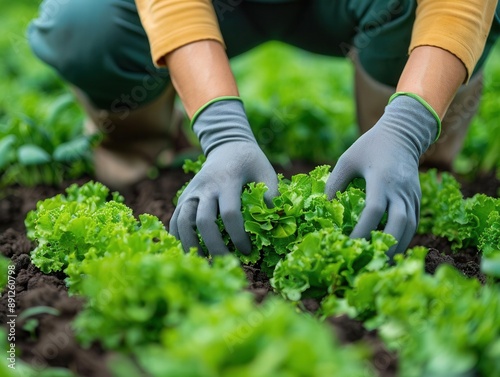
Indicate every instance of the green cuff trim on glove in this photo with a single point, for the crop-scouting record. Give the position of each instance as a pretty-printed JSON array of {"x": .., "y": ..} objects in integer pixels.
[
  {"x": 218, "y": 99},
  {"x": 426, "y": 105}
]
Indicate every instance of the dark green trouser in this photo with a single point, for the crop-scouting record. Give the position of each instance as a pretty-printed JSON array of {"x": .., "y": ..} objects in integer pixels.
[{"x": 101, "y": 47}]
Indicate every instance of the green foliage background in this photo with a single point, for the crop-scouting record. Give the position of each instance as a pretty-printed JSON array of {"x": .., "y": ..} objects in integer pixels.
[{"x": 299, "y": 104}]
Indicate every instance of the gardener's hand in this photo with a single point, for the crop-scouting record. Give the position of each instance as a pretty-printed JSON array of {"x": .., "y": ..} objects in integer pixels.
[
  {"x": 233, "y": 159},
  {"x": 387, "y": 158}
]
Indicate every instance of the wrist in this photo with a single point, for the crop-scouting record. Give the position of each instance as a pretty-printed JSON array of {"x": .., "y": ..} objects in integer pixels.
[
  {"x": 206, "y": 105},
  {"x": 411, "y": 122},
  {"x": 221, "y": 121},
  {"x": 425, "y": 104}
]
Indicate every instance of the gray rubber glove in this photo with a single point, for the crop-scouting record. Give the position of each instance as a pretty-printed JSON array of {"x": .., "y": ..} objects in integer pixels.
[
  {"x": 387, "y": 157},
  {"x": 233, "y": 159}
]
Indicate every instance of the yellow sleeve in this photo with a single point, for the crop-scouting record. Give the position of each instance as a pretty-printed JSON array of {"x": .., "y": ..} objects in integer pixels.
[
  {"x": 171, "y": 24},
  {"x": 458, "y": 26}
]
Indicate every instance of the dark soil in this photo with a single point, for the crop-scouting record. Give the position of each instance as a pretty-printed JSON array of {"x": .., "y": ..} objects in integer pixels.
[{"x": 52, "y": 343}]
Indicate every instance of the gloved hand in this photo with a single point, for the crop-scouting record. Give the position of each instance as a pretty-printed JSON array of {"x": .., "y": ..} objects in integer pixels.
[
  {"x": 233, "y": 159},
  {"x": 387, "y": 157}
]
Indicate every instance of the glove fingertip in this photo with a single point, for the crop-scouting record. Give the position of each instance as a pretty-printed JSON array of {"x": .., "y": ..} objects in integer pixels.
[
  {"x": 393, "y": 250},
  {"x": 331, "y": 192},
  {"x": 338, "y": 180},
  {"x": 244, "y": 246},
  {"x": 241, "y": 241},
  {"x": 172, "y": 226},
  {"x": 245, "y": 252},
  {"x": 219, "y": 252},
  {"x": 356, "y": 233},
  {"x": 269, "y": 196},
  {"x": 272, "y": 188}
]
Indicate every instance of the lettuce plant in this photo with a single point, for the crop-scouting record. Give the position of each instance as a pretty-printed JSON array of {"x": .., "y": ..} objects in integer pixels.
[
  {"x": 147, "y": 297},
  {"x": 238, "y": 339},
  {"x": 442, "y": 324},
  {"x": 328, "y": 262},
  {"x": 463, "y": 221},
  {"x": 300, "y": 208},
  {"x": 177, "y": 313},
  {"x": 131, "y": 298},
  {"x": 84, "y": 225},
  {"x": 45, "y": 149}
]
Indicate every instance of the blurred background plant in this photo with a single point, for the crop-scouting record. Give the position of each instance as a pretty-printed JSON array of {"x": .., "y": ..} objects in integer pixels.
[
  {"x": 481, "y": 152},
  {"x": 41, "y": 140},
  {"x": 300, "y": 106}
]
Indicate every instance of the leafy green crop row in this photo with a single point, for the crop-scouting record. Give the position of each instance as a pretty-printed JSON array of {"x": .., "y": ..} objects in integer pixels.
[
  {"x": 236, "y": 338},
  {"x": 177, "y": 313},
  {"x": 41, "y": 140},
  {"x": 352, "y": 276},
  {"x": 481, "y": 151},
  {"x": 33, "y": 152},
  {"x": 441, "y": 325},
  {"x": 301, "y": 208},
  {"x": 464, "y": 222},
  {"x": 328, "y": 262},
  {"x": 115, "y": 261},
  {"x": 300, "y": 105}
]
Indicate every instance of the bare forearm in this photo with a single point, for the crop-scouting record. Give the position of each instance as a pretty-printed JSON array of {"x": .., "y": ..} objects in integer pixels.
[
  {"x": 434, "y": 74},
  {"x": 200, "y": 72}
]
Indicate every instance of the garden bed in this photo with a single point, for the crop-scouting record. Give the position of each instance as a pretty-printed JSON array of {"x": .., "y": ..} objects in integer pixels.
[{"x": 52, "y": 342}]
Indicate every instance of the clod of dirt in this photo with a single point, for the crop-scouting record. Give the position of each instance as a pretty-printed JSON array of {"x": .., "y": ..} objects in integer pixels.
[
  {"x": 434, "y": 259},
  {"x": 467, "y": 260},
  {"x": 258, "y": 283},
  {"x": 13, "y": 243},
  {"x": 53, "y": 342},
  {"x": 350, "y": 330}
]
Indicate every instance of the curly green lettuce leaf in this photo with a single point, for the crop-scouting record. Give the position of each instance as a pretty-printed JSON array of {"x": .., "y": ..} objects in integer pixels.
[
  {"x": 446, "y": 213},
  {"x": 442, "y": 324},
  {"x": 238, "y": 339},
  {"x": 83, "y": 225},
  {"x": 66, "y": 227},
  {"x": 327, "y": 262},
  {"x": 131, "y": 298}
]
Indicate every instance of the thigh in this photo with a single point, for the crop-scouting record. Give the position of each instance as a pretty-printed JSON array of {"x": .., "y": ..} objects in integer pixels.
[
  {"x": 100, "y": 47},
  {"x": 380, "y": 31}
]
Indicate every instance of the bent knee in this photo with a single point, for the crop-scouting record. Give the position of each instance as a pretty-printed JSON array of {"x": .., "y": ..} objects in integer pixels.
[
  {"x": 68, "y": 35},
  {"x": 93, "y": 44}
]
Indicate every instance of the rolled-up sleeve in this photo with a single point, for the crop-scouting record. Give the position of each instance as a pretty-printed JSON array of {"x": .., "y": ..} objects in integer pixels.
[
  {"x": 170, "y": 24},
  {"x": 458, "y": 26}
]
